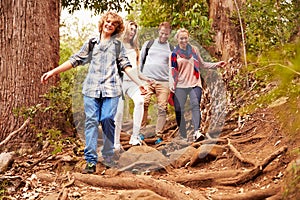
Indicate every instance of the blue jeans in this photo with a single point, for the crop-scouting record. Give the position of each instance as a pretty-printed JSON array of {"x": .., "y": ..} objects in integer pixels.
[
  {"x": 180, "y": 98},
  {"x": 101, "y": 110}
]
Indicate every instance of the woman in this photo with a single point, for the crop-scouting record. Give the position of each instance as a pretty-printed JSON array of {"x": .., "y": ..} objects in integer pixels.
[
  {"x": 185, "y": 63},
  {"x": 131, "y": 89}
]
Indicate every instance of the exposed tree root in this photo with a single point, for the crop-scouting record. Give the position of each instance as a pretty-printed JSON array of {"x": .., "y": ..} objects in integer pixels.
[
  {"x": 163, "y": 188},
  {"x": 253, "y": 173},
  {"x": 238, "y": 133},
  {"x": 252, "y": 195},
  {"x": 238, "y": 154},
  {"x": 198, "y": 177},
  {"x": 250, "y": 139},
  {"x": 210, "y": 141}
]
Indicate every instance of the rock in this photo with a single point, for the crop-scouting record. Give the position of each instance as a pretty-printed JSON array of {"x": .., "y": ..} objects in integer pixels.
[
  {"x": 181, "y": 157},
  {"x": 6, "y": 159},
  {"x": 203, "y": 151},
  {"x": 145, "y": 158}
]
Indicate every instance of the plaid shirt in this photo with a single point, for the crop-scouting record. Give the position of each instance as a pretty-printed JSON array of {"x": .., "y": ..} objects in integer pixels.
[{"x": 102, "y": 79}]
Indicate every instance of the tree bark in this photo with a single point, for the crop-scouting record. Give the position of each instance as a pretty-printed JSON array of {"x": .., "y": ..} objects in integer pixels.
[
  {"x": 227, "y": 34},
  {"x": 29, "y": 34}
]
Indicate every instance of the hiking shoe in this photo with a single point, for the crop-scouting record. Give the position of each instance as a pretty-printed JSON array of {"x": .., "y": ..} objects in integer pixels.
[
  {"x": 90, "y": 168},
  {"x": 118, "y": 147},
  {"x": 108, "y": 161},
  {"x": 141, "y": 136},
  {"x": 135, "y": 140},
  {"x": 159, "y": 140},
  {"x": 198, "y": 136}
]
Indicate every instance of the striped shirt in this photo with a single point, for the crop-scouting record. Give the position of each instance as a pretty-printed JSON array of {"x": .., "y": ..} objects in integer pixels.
[{"x": 102, "y": 79}]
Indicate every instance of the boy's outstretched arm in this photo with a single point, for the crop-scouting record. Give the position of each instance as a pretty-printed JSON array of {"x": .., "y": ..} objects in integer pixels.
[{"x": 61, "y": 68}]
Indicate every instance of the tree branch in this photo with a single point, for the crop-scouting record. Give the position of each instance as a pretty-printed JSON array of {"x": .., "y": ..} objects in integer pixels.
[{"x": 15, "y": 132}]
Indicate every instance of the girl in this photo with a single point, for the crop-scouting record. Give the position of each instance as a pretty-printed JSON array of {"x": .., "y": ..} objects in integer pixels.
[{"x": 131, "y": 89}]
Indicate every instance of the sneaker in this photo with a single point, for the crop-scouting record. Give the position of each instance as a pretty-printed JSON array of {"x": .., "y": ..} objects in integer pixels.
[
  {"x": 198, "y": 136},
  {"x": 90, "y": 168},
  {"x": 159, "y": 140},
  {"x": 108, "y": 161},
  {"x": 135, "y": 140},
  {"x": 118, "y": 147},
  {"x": 141, "y": 136}
]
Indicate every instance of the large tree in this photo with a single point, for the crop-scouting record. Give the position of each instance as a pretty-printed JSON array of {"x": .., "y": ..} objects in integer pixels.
[
  {"x": 29, "y": 34},
  {"x": 227, "y": 32}
]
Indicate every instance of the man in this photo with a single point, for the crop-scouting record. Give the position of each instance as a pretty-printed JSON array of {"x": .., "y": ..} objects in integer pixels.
[
  {"x": 154, "y": 68},
  {"x": 102, "y": 86}
]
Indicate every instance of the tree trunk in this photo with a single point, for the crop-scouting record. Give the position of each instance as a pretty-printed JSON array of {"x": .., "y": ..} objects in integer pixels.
[
  {"x": 228, "y": 38},
  {"x": 29, "y": 34}
]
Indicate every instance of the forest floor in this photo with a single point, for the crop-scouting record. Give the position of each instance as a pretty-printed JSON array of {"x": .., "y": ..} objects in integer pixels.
[{"x": 250, "y": 159}]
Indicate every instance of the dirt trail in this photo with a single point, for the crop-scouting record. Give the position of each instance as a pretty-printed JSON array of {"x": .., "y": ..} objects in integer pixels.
[{"x": 246, "y": 162}]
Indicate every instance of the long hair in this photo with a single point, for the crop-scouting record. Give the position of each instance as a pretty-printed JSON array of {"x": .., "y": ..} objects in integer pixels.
[
  {"x": 115, "y": 16},
  {"x": 134, "y": 41}
]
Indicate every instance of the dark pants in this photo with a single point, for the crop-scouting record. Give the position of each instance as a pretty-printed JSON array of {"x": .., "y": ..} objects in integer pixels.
[{"x": 180, "y": 98}]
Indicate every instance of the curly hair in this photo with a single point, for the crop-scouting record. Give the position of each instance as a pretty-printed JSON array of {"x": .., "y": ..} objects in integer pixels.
[{"x": 118, "y": 19}]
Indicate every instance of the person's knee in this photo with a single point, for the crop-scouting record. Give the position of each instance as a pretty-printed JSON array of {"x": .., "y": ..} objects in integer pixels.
[
  {"x": 139, "y": 102},
  {"x": 108, "y": 120},
  {"x": 195, "y": 105}
]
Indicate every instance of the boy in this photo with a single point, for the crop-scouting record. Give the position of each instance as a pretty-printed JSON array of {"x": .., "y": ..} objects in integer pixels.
[{"x": 102, "y": 86}]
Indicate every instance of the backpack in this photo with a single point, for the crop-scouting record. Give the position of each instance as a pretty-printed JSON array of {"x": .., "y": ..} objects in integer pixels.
[
  {"x": 149, "y": 44},
  {"x": 91, "y": 45}
]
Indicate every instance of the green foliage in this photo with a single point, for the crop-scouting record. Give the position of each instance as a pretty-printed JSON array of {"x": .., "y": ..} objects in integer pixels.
[
  {"x": 195, "y": 19},
  {"x": 3, "y": 186},
  {"x": 54, "y": 137},
  {"x": 27, "y": 112},
  {"x": 97, "y": 6},
  {"x": 269, "y": 23},
  {"x": 192, "y": 15},
  {"x": 271, "y": 75}
]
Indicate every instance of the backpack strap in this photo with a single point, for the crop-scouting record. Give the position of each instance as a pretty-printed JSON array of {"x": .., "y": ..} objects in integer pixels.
[
  {"x": 149, "y": 44},
  {"x": 118, "y": 50},
  {"x": 171, "y": 47},
  {"x": 92, "y": 43}
]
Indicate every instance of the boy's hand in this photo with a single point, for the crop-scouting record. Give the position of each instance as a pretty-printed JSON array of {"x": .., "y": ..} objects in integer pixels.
[
  {"x": 46, "y": 76},
  {"x": 143, "y": 90}
]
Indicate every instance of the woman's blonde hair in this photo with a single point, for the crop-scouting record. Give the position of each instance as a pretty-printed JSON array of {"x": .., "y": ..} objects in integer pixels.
[
  {"x": 181, "y": 30},
  {"x": 134, "y": 41},
  {"x": 124, "y": 37},
  {"x": 116, "y": 17}
]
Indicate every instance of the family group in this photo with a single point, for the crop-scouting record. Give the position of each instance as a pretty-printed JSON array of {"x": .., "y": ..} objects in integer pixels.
[{"x": 117, "y": 67}]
